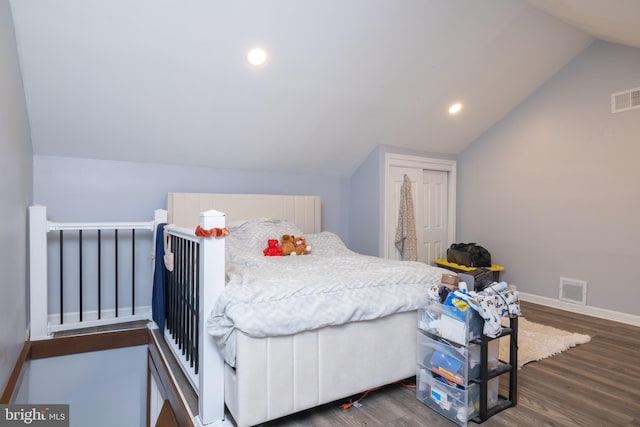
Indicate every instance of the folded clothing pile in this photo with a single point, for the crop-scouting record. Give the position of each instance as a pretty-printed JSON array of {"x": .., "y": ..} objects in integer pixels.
[{"x": 494, "y": 302}]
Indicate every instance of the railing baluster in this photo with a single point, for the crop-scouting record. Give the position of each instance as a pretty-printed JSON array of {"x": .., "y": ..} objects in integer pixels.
[
  {"x": 194, "y": 275},
  {"x": 116, "y": 281},
  {"x": 183, "y": 299},
  {"x": 171, "y": 277},
  {"x": 61, "y": 277},
  {"x": 174, "y": 288},
  {"x": 187, "y": 303},
  {"x": 197, "y": 307},
  {"x": 174, "y": 291},
  {"x": 195, "y": 302},
  {"x": 167, "y": 292},
  {"x": 80, "y": 269},
  {"x": 183, "y": 313},
  {"x": 99, "y": 274},
  {"x": 133, "y": 272}
]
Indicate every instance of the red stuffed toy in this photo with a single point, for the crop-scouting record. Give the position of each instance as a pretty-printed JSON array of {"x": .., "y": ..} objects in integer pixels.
[{"x": 273, "y": 248}]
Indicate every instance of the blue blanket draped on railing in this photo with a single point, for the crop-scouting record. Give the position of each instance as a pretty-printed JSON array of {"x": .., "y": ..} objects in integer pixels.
[{"x": 158, "y": 307}]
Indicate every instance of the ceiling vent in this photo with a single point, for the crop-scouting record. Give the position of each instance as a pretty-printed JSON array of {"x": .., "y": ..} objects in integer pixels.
[{"x": 626, "y": 100}]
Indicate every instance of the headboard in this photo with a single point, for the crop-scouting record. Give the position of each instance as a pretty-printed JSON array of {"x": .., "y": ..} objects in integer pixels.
[{"x": 184, "y": 208}]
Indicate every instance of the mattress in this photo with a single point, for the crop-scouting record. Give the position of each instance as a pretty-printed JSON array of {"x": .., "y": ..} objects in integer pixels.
[{"x": 278, "y": 296}]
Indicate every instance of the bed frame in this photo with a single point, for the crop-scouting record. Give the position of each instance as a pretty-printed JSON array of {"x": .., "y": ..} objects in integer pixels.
[{"x": 274, "y": 376}]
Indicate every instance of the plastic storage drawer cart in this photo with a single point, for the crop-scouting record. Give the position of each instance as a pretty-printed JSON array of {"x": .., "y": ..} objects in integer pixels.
[{"x": 458, "y": 367}]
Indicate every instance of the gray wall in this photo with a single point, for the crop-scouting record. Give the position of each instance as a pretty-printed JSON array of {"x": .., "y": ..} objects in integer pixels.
[
  {"x": 15, "y": 193},
  {"x": 554, "y": 189}
]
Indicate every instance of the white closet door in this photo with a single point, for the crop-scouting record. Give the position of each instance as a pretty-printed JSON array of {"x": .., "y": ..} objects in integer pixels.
[{"x": 432, "y": 231}]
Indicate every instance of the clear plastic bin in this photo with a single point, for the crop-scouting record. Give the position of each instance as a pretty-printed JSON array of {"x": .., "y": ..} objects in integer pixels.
[
  {"x": 456, "y": 402},
  {"x": 457, "y": 364},
  {"x": 450, "y": 322}
]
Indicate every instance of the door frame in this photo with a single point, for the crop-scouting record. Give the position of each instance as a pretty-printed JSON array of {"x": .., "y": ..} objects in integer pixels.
[{"x": 424, "y": 163}]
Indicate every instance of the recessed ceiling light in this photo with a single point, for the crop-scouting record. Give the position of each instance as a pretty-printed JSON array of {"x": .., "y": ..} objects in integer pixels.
[
  {"x": 455, "y": 108},
  {"x": 257, "y": 56}
]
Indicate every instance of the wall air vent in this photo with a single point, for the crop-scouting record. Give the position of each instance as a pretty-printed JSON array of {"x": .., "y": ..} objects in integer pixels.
[
  {"x": 626, "y": 100},
  {"x": 573, "y": 290}
]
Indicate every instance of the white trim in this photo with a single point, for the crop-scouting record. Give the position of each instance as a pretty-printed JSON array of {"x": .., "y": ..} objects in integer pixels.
[
  {"x": 602, "y": 313},
  {"x": 392, "y": 159},
  {"x": 56, "y": 226},
  {"x": 211, "y": 284},
  {"x": 209, "y": 382},
  {"x": 155, "y": 400},
  {"x": 190, "y": 374},
  {"x": 225, "y": 423},
  {"x": 194, "y": 417},
  {"x": 183, "y": 233},
  {"x": 90, "y": 318},
  {"x": 424, "y": 163},
  {"x": 168, "y": 370},
  {"x": 38, "y": 291}
]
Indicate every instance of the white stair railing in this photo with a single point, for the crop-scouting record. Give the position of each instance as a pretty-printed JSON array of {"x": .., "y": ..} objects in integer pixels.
[{"x": 40, "y": 324}]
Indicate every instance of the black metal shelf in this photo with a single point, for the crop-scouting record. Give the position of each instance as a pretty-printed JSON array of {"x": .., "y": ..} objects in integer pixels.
[
  {"x": 494, "y": 372},
  {"x": 503, "y": 403},
  {"x": 487, "y": 374}
]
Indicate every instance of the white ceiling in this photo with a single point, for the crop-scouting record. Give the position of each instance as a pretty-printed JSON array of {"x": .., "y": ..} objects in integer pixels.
[
  {"x": 616, "y": 21},
  {"x": 167, "y": 81}
]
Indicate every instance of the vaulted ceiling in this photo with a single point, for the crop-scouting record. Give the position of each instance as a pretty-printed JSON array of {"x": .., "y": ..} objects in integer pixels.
[{"x": 167, "y": 81}]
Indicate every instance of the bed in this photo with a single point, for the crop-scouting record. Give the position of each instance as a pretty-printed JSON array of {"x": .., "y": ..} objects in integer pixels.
[{"x": 246, "y": 359}]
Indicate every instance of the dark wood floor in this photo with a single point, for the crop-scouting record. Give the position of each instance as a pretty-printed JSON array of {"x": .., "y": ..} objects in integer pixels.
[{"x": 595, "y": 384}]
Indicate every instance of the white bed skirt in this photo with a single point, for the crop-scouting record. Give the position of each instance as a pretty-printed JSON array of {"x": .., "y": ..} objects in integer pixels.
[{"x": 278, "y": 376}]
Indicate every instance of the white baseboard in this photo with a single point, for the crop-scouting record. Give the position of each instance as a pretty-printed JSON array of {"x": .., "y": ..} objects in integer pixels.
[{"x": 602, "y": 313}]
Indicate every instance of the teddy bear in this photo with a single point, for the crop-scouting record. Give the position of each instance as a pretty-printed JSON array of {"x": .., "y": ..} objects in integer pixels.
[
  {"x": 301, "y": 246},
  {"x": 288, "y": 246},
  {"x": 273, "y": 248}
]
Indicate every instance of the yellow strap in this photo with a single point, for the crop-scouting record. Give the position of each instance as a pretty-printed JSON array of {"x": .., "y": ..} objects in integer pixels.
[{"x": 444, "y": 262}]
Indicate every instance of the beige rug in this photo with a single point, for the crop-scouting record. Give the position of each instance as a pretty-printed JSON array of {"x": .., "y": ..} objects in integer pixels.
[{"x": 537, "y": 342}]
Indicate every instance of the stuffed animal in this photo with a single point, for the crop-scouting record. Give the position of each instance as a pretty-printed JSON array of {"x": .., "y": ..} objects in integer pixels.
[
  {"x": 273, "y": 248},
  {"x": 301, "y": 246},
  {"x": 288, "y": 246}
]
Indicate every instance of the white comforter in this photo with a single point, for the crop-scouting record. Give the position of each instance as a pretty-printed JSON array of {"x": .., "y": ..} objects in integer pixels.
[{"x": 271, "y": 296}]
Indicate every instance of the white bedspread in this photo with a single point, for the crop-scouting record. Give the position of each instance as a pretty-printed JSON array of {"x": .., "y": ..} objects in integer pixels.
[{"x": 271, "y": 296}]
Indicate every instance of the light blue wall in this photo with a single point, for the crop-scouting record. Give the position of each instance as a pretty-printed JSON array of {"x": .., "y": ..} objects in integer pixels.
[
  {"x": 553, "y": 190},
  {"x": 15, "y": 193},
  {"x": 102, "y": 388},
  {"x": 366, "y": 197},
  {"x": 102, "y": 190}
]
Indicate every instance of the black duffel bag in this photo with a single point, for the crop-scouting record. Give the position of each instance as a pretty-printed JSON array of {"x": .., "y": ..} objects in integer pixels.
[{"x": 469, "y": 254}]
